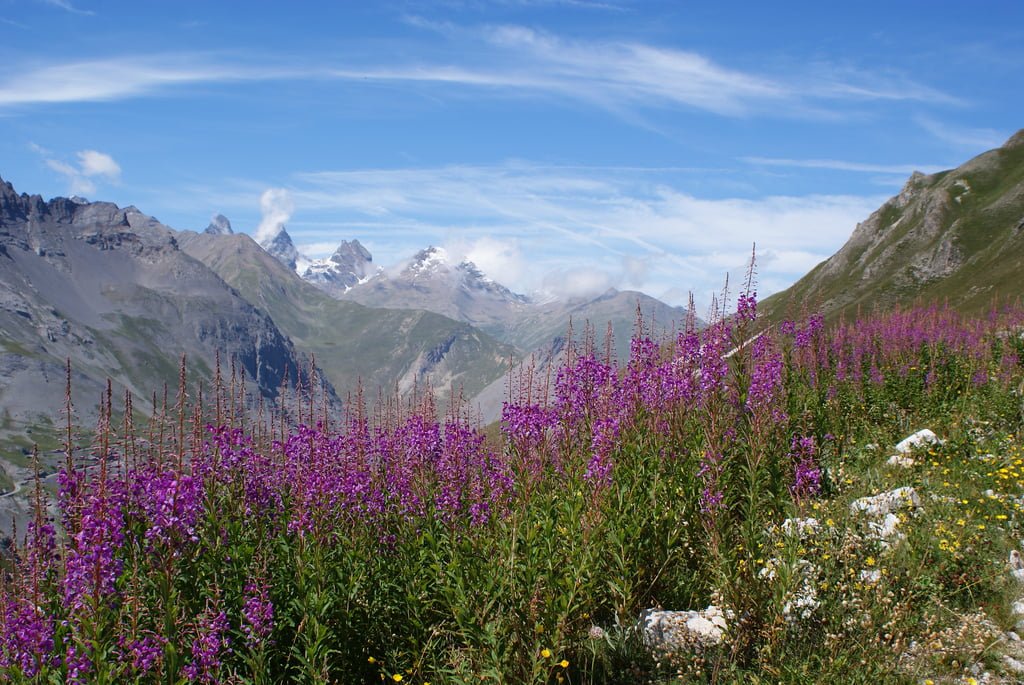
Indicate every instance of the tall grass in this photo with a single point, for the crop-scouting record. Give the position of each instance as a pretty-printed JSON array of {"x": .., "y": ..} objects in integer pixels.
[{"x": 392, "y": 544}]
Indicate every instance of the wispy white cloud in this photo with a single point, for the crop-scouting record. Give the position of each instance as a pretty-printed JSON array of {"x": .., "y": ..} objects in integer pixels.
[
  {"x": 622, "y": 77},
  {"x": 92, "y": 166},
  {"x": 975, "y": 139},
  {"x": 276, "y": 207},
  {"x": 120, "y": 78},
  {"x": 842, "y": 165},
  {"x": 68, "y": 7}
]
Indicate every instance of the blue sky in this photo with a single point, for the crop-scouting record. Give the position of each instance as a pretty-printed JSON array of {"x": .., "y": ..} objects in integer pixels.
[{"x": 562, "y": 145}]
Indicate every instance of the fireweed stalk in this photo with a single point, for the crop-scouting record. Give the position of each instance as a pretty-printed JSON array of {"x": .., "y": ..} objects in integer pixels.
[{"x": 398, "y": 541}]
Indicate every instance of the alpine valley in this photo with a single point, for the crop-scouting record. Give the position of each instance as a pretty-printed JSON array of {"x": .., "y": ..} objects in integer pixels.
[{"x": 123, "y": 297}]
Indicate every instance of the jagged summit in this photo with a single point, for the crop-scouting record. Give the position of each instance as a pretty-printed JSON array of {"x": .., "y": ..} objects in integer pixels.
[
  {"x": 350, "y": 265},
  {"x": 219, "y": 225},
  {"x": 281, "y": 247},
  {"x": 427, "y": 262},
  {"x": 436, "y": 264}
]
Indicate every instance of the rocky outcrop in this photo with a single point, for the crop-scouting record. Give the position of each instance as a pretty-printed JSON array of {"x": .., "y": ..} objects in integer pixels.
[
  {"x": 281, "y": 247},
  {"x": 111, "y": 289}
]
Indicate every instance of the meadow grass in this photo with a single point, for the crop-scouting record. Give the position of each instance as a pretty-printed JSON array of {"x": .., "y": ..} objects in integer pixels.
[{"x": 718, "y": 467}]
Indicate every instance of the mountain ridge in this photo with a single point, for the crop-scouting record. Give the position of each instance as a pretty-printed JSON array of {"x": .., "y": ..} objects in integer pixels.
[{"x": 956, "y": 236}]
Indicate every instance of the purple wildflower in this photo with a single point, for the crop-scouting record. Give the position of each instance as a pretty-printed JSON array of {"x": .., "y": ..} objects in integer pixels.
[
  {"x": 806, "y": 473},
  {"x": 27, "y": 636},
  {"x": 208, "y": 645},
  {"x": 143, "y": 653},
  {"x": 257, "y": 614}
]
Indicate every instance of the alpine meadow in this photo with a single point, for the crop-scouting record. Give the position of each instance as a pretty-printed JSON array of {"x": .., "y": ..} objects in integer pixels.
[{"x": 548, "y": 342}]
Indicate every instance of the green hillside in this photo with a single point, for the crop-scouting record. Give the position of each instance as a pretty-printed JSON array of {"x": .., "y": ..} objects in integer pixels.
[{"x": 955, "y": 236}]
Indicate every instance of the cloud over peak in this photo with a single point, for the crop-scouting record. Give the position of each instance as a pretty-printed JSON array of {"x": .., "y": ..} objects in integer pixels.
[{"x": 92, "y": 166}]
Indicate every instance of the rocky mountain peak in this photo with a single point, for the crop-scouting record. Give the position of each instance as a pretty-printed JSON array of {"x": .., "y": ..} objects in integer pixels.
[
  {"x": 351, "y": 253},
  {"x": 347, "y": 267},
  {"x": 430, "y": 260},
  {"x": 281, "y": 248},
  {"x": 219, "y": 225}
]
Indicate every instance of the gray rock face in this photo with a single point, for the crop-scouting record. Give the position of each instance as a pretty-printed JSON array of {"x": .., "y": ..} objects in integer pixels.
[
  {"x": 219, "y": 225},
  {"x": 110, "y": 289},
  {"x": 282, "y": 248},
  {"x": 350, "y": 264}
]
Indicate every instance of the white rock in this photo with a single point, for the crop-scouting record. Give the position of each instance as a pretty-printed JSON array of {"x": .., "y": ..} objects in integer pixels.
[
  {"x": 900, "y": 460},
  {"x": 801, "y": 527},
  {"x": 921, "y": 437},
  {"x": 887, "y": 502},
  {"x": 1016, "y": 561},
  {"x": 1018, "y": 607},
  {"x": 683, "y": 631},
  {"x": 870, "y": 576},
  {"x": 1018, "y": 575},
  {"x": 886, "y": 529},
  {"x": 1012, "y": 664}
]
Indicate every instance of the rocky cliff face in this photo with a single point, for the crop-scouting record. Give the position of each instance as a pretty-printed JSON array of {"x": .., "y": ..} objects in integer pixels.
[
  {"x": 281, "y": 247},
  {"x": 957, "y": 235},
  {"x": 110, "y": 289}
]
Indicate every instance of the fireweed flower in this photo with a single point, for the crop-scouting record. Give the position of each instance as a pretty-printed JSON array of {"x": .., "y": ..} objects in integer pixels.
[
  {"x": 92, "y": 564},
  {"x": 26, "y": 640},
  {"x": 208, "y": 645},
  {"x": 746, "y": 307},
  {"x": 143, "y": 653},
  {"x": 603, "y": 442},
  {"x": 78, "y": 665},
  {"x": 578, "y": 389},
  {"x": 171, "y": 504},
  {"x": 766, "y": 377},
  {"x": 257, "y": 614},
  {"x": 806, "y": 473}
]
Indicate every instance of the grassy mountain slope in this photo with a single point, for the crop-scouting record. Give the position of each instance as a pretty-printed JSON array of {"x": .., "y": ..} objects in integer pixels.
[{"x": 956, "y": 236}]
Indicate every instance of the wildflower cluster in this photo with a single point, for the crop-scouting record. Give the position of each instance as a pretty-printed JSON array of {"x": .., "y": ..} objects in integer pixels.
[{"x": 399, "y": 545}]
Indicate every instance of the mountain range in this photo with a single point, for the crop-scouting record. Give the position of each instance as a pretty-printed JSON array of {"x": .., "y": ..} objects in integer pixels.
[
  {"x": 432, "y": 280},
  {"x": 123, "y": 297},
  {"x": 111, "y": 290}
]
